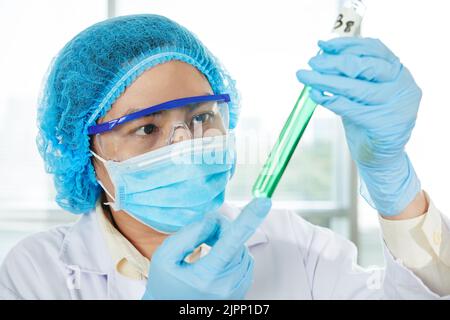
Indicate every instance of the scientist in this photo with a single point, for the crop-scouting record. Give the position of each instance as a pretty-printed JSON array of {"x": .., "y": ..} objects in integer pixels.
[{"x": 128, "y": 107}]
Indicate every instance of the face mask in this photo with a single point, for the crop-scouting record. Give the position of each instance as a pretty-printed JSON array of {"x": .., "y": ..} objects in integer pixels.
[{"x": 175, "y": 185}]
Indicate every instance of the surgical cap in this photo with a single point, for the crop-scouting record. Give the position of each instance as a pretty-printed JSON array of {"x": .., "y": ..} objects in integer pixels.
[{"x": 87, "y": 76}]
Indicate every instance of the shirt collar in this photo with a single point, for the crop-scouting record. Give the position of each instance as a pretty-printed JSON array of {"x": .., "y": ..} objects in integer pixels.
[{"x": 122, "y": 251}]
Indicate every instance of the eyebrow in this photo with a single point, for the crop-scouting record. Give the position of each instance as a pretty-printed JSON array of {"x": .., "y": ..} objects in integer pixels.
[{"x": 133, "y": 110}]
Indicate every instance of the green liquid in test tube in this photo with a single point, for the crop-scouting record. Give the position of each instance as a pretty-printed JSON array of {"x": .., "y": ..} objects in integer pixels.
[
  {"x": 348, "y": 23},
  {"x": 285, "y": 146}
]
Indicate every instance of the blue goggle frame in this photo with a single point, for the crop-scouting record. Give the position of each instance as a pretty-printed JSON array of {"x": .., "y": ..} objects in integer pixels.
[{"x": 172, "y": 104}]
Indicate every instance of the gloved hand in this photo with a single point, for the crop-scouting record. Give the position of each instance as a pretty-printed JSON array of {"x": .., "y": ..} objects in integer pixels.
[
  {"x": 378, "y": 100},
  {"x": 226, "y": 272}
]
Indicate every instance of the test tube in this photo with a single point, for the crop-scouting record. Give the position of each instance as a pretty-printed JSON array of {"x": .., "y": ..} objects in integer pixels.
[
  {"x": 285, "y": 146},
  {"x": 348, "y": 23}
]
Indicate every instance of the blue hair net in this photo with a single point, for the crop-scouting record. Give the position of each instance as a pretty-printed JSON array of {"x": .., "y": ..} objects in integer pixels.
[{"x": 89, "y": 74}]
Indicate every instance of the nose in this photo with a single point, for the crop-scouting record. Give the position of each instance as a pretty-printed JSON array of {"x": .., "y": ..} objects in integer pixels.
[{"x": 180, "y": 133}]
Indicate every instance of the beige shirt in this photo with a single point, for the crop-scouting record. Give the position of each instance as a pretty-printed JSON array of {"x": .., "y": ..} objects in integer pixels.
[
  {"x": 421, "y": 244},
  {"x": 128, "y": 261}
]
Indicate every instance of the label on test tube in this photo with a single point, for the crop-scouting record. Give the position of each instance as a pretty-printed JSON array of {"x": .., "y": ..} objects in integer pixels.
[{"x": 348, "y": 21}]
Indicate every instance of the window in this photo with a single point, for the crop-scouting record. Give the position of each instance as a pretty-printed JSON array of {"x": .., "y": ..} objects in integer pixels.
[{"x": 32, "y": 32}]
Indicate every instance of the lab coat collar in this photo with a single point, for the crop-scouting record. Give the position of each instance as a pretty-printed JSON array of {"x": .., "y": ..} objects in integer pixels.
[{"x": 85, "y": 248}]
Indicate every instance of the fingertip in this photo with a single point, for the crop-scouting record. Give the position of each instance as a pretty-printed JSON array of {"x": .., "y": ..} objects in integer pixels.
[
  {"x": 318, "y": 63},
  {"x": 321, "y": 44},
  {"x": 312, "y": 62},
  {"x": 252, "y": 215},
  {"x": 303, "y": 75},
  {"x": 264, "y": 204},
  {"x": 327, "y": 45}
]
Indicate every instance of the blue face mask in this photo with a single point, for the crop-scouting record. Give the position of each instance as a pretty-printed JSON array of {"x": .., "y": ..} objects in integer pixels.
[{"x": 175, "y": 185}]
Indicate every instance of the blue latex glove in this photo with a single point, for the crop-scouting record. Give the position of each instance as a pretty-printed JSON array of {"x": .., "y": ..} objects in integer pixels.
[
  {"x": 378, "y": 100},
  {"x": 226, "y": 272}
]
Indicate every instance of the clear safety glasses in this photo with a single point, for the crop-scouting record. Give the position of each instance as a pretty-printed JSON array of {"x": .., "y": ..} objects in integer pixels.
[{"x": 160, "y": 125}]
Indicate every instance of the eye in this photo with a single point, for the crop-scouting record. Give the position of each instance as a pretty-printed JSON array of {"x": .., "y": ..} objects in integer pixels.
[
  {"x": 146, "y": 130},
  {"x": 202, "y": 118}
]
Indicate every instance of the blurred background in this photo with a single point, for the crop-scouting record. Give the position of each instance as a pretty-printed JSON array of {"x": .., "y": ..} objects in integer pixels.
[{"x": 262, "y": 44}]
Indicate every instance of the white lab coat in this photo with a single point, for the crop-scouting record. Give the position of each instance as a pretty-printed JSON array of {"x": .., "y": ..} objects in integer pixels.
[{"x": 293, "y": 260}]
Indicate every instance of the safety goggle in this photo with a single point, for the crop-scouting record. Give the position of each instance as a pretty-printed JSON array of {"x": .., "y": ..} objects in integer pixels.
[{"x": 159, "y": 125}]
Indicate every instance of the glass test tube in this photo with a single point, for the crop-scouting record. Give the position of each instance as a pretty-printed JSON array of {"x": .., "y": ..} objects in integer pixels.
[{"x": 285, "y": 146}]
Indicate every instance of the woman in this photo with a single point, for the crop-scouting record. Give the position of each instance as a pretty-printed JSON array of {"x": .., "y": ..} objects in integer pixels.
[{"x": 136, "y": 124}]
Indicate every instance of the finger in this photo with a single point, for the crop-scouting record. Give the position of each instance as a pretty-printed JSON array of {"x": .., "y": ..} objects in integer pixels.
[
  {"x": 250, "y": 218},
  {"x": 367, "y": 47},
  {"x": 356, "y": 67},
  {"x": 361, "y": 91},
  {"x": 347, "y": 109},
  {"x": 177, "y": 246},
  {"x": 240, "y": 230}
]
